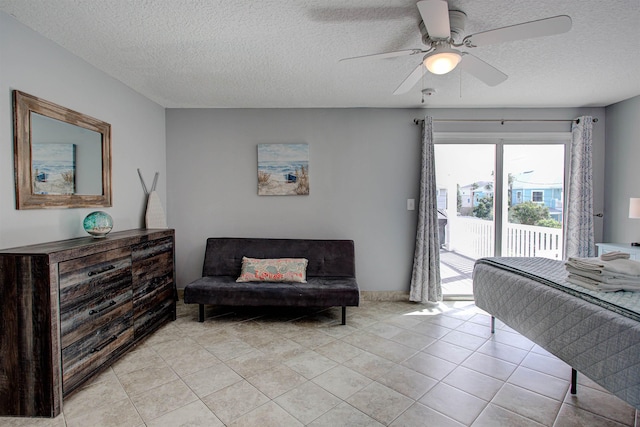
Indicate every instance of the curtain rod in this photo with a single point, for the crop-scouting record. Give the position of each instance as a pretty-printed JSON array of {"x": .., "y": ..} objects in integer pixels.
[{"x": 503, "y": 121}]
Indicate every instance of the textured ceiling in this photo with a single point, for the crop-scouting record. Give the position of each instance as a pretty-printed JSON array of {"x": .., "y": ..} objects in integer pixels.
[{"x": 285, "y": 53}]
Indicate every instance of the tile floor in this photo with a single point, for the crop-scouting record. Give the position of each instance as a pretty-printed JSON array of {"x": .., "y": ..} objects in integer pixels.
[{"x": 394, "y": 363}]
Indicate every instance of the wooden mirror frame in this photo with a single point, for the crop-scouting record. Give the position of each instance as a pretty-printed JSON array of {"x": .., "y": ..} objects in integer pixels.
[{"x": 25, "y": 104}]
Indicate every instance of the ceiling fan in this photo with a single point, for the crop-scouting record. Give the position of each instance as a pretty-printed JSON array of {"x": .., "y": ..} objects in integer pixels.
[{"x": 442, "y": 33}]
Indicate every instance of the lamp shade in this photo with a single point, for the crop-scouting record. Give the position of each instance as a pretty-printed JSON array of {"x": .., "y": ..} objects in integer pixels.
[
  {"x": 442, "y": 60},
  {"x": 634, "y": 207}
]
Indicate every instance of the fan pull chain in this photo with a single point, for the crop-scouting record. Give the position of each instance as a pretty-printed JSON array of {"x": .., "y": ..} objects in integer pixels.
[{"x": 422, "y": 91}]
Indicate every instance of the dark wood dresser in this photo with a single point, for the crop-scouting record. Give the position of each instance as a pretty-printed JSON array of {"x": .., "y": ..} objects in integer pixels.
[{"x": 69, "y": 309}]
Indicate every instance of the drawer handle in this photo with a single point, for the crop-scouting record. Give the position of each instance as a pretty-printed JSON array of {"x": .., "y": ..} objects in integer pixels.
[
  {"x": 104, "y": 344},
  {"x": 151, "y": 312},
  {"x": 98, "y": 310},
  {"x": 102, "y": 270}
]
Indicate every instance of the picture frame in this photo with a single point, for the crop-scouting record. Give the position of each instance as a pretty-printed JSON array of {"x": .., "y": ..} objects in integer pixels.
[
  {"x": 53, "y": 168},
  {"x": 283, "y": 169}
]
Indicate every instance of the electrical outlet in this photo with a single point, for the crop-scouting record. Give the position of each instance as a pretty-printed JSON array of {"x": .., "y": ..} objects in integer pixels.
[{"x": 411, "y": 204}]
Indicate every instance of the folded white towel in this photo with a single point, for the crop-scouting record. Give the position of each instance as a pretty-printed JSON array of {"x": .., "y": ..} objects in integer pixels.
[
  {"x": 603, "y": 276},
  {"x": 629, "y": 287},
  {"x": 614, "y": 255},
  {"x": 623, "y": 266},
  {"x": 576, "y": 280},
  {"x": 604, "y": 287},
  {"x": 587, "y": 264}
]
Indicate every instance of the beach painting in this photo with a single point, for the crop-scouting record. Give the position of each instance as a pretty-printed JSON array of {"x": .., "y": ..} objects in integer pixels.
[
  {"x": 283, "y": 169},
  {"x": 53, "y": 168}
]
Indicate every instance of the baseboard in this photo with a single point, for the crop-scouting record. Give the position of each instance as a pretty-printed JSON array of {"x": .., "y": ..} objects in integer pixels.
[
  {"x": 457, "y": 298},
  {"x": 384, "y": 296}
]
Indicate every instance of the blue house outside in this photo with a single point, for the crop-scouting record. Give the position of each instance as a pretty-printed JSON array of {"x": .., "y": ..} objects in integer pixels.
[
  {"x": 533, "y": 187},
  {"x": 480, "y": 194},
  {"x": 528, "y": 186},
  {"x": 471, "y": 194}
]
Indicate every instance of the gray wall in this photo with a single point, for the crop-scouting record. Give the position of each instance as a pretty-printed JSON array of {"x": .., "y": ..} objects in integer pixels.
[
  {"x": 35, "y": 65},
  {"x": 622, "y": 162},
  {"x": 364, "y": 164}
]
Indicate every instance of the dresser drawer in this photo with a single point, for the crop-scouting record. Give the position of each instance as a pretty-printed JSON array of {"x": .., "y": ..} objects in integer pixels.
[
  {"x": 88, "y": 354},
  {"x": 155, "y": 291},
  {"x": 83, "y": 319},
  {"x": 149, "y": 316},
  {"x": 81, "y": 278},
  {"x": 152, "y": 248},
  {"x": 152, "y": 273}
]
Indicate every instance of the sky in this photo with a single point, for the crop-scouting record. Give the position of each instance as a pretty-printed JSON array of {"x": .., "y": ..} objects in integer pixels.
[{"x": 283, "y": 152}]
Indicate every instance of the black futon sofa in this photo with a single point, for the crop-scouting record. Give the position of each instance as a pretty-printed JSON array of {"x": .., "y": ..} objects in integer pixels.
[{"x": 331, "y": 278}]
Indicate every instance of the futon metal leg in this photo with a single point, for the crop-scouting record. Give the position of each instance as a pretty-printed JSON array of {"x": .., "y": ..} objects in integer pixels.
[
  {"x": 493, "y": 325},
  {"x": 344, "y": 315},
  {"x": 200, "y": 312},
  {"x": 574, "y": 381}
]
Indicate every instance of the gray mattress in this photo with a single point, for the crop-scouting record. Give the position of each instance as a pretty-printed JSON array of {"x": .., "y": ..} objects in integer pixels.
[{"x": 597, "y": 333}]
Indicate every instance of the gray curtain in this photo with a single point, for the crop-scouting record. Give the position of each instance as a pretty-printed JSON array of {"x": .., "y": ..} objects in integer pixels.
[
  {"x": 578, "y": 235},
  {"x": 425, "y": 280}
]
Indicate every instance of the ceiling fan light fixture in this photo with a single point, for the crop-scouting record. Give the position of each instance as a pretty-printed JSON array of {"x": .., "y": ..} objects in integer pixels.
[{"x": 442, "y": 60}]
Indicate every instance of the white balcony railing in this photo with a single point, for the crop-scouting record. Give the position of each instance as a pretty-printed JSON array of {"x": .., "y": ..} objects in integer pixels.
[{"x": 474, "y": 238}]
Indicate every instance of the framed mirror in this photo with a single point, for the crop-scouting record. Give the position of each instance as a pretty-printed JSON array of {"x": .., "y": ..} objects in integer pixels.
[{"x": 62, "y": 158}]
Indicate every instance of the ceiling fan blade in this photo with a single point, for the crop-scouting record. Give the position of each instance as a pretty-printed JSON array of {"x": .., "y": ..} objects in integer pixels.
[
  {"x": 543, "y": 27},
  {"x": 411, "y": 80},
  {"x": 481, "y": 70},
  {"x": 435, "y": 15},
  {"x": 384, "y": 55}
]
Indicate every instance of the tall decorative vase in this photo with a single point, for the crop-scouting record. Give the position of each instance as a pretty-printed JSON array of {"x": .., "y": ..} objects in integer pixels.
[{"x": 154, "y": 217}]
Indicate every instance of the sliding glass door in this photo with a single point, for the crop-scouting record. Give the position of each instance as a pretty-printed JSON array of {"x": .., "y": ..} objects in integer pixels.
[{"x": 497, "y": 198}]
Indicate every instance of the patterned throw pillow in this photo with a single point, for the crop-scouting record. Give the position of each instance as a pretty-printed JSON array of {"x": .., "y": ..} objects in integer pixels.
[{"x": 273, "y": 270}]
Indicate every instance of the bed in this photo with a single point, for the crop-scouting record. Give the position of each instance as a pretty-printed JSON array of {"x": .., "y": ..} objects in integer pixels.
[{"x": 596, "y": 333}]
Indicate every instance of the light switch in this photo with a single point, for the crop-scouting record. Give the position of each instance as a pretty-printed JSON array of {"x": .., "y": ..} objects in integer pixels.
[{"x": 411, "y": 204}]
